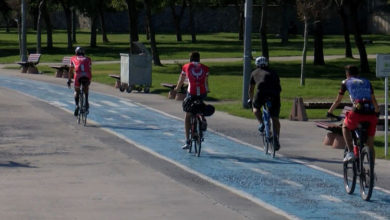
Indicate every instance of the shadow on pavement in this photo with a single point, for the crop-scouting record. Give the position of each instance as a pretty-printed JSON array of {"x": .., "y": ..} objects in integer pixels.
[{"x": 12, "y": 164}]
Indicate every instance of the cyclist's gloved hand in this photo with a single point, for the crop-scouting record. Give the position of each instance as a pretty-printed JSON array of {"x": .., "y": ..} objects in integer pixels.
[
  {"x": 250, "y": 102},
  {"x": 328, "y": 114},
  {"x": 69, "y": 82},
  {"x": 377, "y": 114}
]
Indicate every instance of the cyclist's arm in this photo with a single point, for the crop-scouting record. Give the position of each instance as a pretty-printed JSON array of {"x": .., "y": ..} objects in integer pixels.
[
  {"x": 336, "y": 103},
  {"x": 375, "y": 103},
  {"x": 180, "y": 82},
  {"x": 251, "y": 90}
]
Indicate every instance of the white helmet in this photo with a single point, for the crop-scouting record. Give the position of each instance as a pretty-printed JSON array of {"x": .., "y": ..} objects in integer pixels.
[
  {"x": 261, "y": 61},
  {"x": 79, "y": 51}
]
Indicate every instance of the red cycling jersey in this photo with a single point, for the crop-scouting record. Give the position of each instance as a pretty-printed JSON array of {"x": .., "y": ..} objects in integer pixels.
[
  {"x": 196, "y": 74},
  {"x": 82, "y": 68}
]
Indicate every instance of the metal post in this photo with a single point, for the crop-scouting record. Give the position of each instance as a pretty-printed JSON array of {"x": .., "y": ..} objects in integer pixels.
[
  {"x": 386, "y": 114},
  {"x": 247, "y": 51},
  {"x": 23, "y": 51}
]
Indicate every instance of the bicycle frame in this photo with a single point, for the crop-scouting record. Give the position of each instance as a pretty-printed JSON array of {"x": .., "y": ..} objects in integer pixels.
[
  {"x": 196, "y": 133},
  {"x": 269, "y": 136}
]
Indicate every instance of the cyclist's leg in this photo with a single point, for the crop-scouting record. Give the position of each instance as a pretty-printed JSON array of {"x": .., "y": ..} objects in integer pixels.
[
  {"x": 257, "y": 103},
  {"x": 371, "y": 133},
  {"x": 275, "y": 112}
]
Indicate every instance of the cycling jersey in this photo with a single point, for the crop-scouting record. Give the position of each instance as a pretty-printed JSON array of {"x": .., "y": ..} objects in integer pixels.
[
  {"x": 82, "y": 68},
  {"x": 360, "y": 91},
  {"x": 196, "y": 74}
]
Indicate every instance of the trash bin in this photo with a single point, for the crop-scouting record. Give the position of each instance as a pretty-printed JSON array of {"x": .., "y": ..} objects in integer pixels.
[{"x": 136, "y": 69}]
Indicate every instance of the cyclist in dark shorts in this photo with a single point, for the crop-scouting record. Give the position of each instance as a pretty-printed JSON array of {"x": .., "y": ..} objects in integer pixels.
[
  {"x": 197, "y": 75},
  {"x": 365, "y": 108},
  {"x": 268, "y": 86}
]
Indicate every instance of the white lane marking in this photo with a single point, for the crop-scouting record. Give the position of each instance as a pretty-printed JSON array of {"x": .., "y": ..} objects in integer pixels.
[
  {"x": 58, "y": 104},
  {"x": 142, "y": 122},
  {"x": 95, "y": 104},
  {"x": 125, "y": 116},
  {"x": 109, "y": 119},
  {"x": 109, "y": 103},
  {"x": 127, "y": 103},
  {"x": 153, "y": 127},
  {"x": 262, "y": 172},
  {"x": 169, "y": 134},
  {"x": 331, "y": 198},
  {"x": 373, "y": 215},
  {"x": 112, "y": 111},
  {"x": 292, "y": 183}
]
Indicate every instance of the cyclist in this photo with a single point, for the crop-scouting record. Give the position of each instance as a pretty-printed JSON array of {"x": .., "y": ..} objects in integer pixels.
[
  {"x": 197, "y": 75},
  {"x": 365, "y": 108},
  {"x": 268, "y": 87},
  {"x": 80, "y": 66}
]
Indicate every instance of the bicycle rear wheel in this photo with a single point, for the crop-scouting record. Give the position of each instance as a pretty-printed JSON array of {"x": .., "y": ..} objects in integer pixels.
[
  {"x": 199, "y": 138},
  {"x": 349, "y": 170},
  {"x": 84, "y": 107},
  {"x": 367, "y": 176},
  {"x": 81, "y": 101},
  {"x": 272, "y": 138}
]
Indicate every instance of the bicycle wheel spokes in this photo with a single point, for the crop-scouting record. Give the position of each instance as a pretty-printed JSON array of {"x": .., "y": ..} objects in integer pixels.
[{"x": 367, "y": 175}]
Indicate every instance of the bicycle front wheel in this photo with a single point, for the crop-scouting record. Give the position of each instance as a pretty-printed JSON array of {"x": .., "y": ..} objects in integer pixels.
[
  {"x": 367, "y": 176},
  {"x": 84, "y": 115},
  {"x": 81, "y": 103},
  {"x": 349, "y": 170}
]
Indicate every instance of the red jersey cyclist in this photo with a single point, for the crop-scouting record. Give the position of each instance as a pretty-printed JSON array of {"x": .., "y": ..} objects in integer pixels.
[
  {"x": 80, "y": 66},
  {"x": 197, "y": 75}
]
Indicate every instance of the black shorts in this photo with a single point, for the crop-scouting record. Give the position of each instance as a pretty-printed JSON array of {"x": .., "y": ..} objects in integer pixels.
[{"x": 260, "y": 100}]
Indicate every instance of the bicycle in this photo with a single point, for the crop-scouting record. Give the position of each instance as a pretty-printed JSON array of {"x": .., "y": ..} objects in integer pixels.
[
  {"x": 362, "y": 166},
  {"x": 269, "y": 135},
  {"x": 197, "y": 127},
  {"x": 82, "y": 106}
]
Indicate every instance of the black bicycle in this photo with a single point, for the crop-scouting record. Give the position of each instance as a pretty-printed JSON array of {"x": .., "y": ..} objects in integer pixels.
[
  {"x": 269, "y": 135},
  {"x": 197, "y": 127},
  {"x": 362, "y": 166},
  {"x": 83, "y": 110}
]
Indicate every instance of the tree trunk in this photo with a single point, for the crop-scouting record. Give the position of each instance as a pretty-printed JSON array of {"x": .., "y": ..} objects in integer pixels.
[
  {"x": 318, "y": 43},
  {"x": 304, "y": 51},
  {"x": 263, "y": 30},
  {"x": 241, "y": 18},
  {"x": 39, "y": 47},
  {"x": 147, "y": 31},
  {"x": 74, "y": 23},
  {"x": 177, "y": 19},
  {"x": 192, "y": 22},
  {"x": 93, "y": 31},
  {"x": 284, "y": 26},
  {"x": 347, "y": 41},
  {"x": 132, "y": 10},
  {"x": 68, "y": 18},
  {"x": 156, "y": 58},
  {"x": 103, "y": 25},
  {"x": 359, "y": 40},
  {"x": 49, "y": 28}
]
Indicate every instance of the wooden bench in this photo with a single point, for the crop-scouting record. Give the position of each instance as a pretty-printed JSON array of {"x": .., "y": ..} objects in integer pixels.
[
  {"x": 335, "y": 137},
  {"x": 118, "y": 80},
  {"x": 30, "y": 65},
  {"x": 63, "y": 68},
  {"x": 173, "y": 94}
]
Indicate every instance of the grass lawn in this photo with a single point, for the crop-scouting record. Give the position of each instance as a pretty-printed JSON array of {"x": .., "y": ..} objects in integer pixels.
[{"x": 322, "y": 82}]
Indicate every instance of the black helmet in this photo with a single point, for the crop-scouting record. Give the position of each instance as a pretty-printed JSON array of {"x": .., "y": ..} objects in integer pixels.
[{"x": 79, "y": 51}]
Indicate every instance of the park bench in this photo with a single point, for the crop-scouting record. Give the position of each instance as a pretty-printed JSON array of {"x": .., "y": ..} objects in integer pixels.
[
  {"x": 334, "y": 137},
  {"x": 30, "y": 65},
  {"x": 63, "y": 68},
  {"x": 173, "y": 94}
]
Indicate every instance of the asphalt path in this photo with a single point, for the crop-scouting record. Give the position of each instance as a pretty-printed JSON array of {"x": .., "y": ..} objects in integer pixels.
[{"x": 230, "y": 161}]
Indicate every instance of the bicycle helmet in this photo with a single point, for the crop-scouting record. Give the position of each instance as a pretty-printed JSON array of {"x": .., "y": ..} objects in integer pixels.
[
  {"x": 261, "y": 61},
  {"x": 79, "y": 51}
]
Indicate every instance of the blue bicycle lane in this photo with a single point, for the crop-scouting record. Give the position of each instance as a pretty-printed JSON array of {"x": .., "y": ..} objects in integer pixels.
[{"x": 284, "y": 186}]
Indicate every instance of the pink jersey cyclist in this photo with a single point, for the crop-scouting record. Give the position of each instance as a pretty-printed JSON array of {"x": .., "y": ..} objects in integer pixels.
[
  {"x": 197, "y": 74},
  {"x": 82, "y": 68}
]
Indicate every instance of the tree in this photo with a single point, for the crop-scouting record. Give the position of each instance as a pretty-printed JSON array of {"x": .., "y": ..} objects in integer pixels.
[
  {"x": 148, "y": 6},
  {"x": 340, "y": 4},
  {"x": 132, "y": 10},
  {"x": 263, "y": 29},
  {"x": 66, "y": 5},
  {"x": 41, "y": 3},
  {"x": 49, "y": 27},
  {"x": 354, "y": 6},
  {"x": 177, "y": 17},
  {"x": 192, "y": 22},
  {"x": 5, "y": 10}
]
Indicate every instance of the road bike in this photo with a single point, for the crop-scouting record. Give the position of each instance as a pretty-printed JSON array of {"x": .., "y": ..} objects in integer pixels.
[
  {"x": 269, "y": 135},
  {"x": 83, "y": 110},
  {"x": 198, "y": 125},
  {"x": 362, "y": 166}
]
